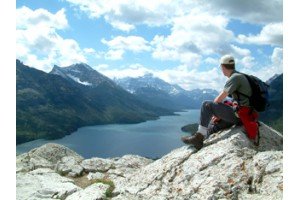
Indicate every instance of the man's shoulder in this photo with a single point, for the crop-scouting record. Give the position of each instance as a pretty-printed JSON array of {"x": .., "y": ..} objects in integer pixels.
[
  {"x": 237, "y": 73},
  {"x": 235, "y": 76},
  {"x": 238, "y": 76}
]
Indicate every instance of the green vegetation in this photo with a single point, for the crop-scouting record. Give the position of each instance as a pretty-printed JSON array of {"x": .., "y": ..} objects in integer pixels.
[
  {"x": 83, "y": 182},
  {"x": 109, "y": 191},
  {"x": 49, "y": 106}
]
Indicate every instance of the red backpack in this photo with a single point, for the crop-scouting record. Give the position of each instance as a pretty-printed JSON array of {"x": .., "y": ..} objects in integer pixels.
[{"x": 249, "y": 118}]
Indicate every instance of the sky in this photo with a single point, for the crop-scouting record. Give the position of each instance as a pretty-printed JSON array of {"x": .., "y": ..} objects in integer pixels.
[{"x": 180, "y": 42}]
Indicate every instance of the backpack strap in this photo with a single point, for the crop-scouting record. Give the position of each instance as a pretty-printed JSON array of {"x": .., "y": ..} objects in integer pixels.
[
  {"x": 240, "y": 93},
  {"x": 249, "y": 84}
]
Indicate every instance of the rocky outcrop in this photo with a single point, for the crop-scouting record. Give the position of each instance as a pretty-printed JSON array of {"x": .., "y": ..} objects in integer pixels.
[
  {"x": 53, "y": 171},
  {"x": 229, "y": 166},
  {"x": 44, "y": 183},
  {"x": 52, "y": 156}
]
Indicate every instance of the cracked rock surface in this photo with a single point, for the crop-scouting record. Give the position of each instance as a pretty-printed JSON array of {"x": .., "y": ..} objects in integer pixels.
[{"x": 229, "y": 166}]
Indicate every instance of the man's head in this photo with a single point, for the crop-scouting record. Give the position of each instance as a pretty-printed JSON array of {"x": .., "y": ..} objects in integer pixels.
[
  {"x": 228, "y": 64},
  {"x": 228, "y": 61}
]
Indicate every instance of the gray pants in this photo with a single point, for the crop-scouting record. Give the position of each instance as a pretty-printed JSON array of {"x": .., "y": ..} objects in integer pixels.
[{"x": 220, "y": 110}]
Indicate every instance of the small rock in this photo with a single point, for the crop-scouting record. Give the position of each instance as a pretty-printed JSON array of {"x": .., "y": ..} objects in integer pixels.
[
  {"x": 95, "y": 176},
  {"x": 96, "y": 165},
  {"x": 93, "y": 192}
]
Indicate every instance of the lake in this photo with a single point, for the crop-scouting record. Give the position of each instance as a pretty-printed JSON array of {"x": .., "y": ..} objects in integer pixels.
[{"x": 151, "y": 139}]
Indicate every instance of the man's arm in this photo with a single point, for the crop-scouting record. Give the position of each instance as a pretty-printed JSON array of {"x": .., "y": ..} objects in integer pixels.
[{"x": 220, "y": 97}]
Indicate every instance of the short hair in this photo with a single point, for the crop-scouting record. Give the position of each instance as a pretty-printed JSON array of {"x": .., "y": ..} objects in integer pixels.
[{"x": 229, "y": 66}]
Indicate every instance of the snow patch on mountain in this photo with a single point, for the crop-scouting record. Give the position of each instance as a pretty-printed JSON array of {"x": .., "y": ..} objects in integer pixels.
[
  {"x": 78, "y": 80},
  {"x": 83, "y": 74},
  {"x": 148, "y": 81}
]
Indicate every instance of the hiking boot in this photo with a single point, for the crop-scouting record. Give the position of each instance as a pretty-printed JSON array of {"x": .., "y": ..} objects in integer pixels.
[{"x": 195, "y": 139}]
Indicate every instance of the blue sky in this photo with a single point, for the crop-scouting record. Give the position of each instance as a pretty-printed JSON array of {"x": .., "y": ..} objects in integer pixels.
[{"x": 178, "y": 41}]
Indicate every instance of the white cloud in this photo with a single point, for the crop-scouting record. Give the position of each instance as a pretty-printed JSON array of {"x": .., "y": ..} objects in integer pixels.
[
  {"x": 193, "y": 79},
  {"x": 125, "y": 14},
  {"x": 93, "y": 8},
  {"x": 131, "y": 43},
  {"x": 92, "y": 53},
  {"x": 101, "y": 67},
  {"x": 67, "y": 52},
  {"x": 271, "y": 34},
  {"x": 248, "y": 61},
  {"x": 89, "y": 50},
  {"x": 212, "y": 61},
  {"x": 240, "y": 51},
  {"x": 134, "y": 70},
  {"x": 275, "y": 66},
  {"x": 114, "y": 54},
  {"x": 254, "y": 11},
  {"x": 39, "y": 45},
  {"x": 122, "y": 26},
  {"x": 277, "y": 57},
  {"x": 36, "y": 37},
  {"x": 25, "y": 17},
  {"x": 202, "y": 35},
  {"x": 33, "y": 61},
  {"x": 118, "y": 45}
]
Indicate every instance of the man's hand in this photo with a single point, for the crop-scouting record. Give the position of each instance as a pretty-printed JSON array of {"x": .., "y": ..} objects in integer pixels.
[{"x": 215, "y": 119}]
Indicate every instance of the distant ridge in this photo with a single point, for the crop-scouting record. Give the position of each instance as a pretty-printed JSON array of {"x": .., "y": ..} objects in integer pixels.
[
  {"x": 160, "y": 93},
  {"x": 273, "y": 116},
  {"x": 52, "y": 105},
  {"x": 83, "y": 74}
]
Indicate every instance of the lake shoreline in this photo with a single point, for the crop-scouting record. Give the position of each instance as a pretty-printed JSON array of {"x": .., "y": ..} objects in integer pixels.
[{"x": 110, "y": 140}]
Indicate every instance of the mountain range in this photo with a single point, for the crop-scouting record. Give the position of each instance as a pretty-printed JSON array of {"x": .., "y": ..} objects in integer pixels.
[
  {"x": 51, "y": 105},
  {"x": 160, "y": 93}
]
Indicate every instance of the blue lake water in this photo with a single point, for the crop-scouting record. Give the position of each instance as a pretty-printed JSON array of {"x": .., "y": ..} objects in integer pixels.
[{"x": 151, "y": 139}]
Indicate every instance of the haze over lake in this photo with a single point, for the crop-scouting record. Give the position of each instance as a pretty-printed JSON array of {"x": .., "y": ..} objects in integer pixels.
[{"x": 151, "y": 139}]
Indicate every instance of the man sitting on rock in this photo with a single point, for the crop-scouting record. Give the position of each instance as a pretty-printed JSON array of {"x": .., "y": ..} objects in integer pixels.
[{"x": 216, "y": 115}]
